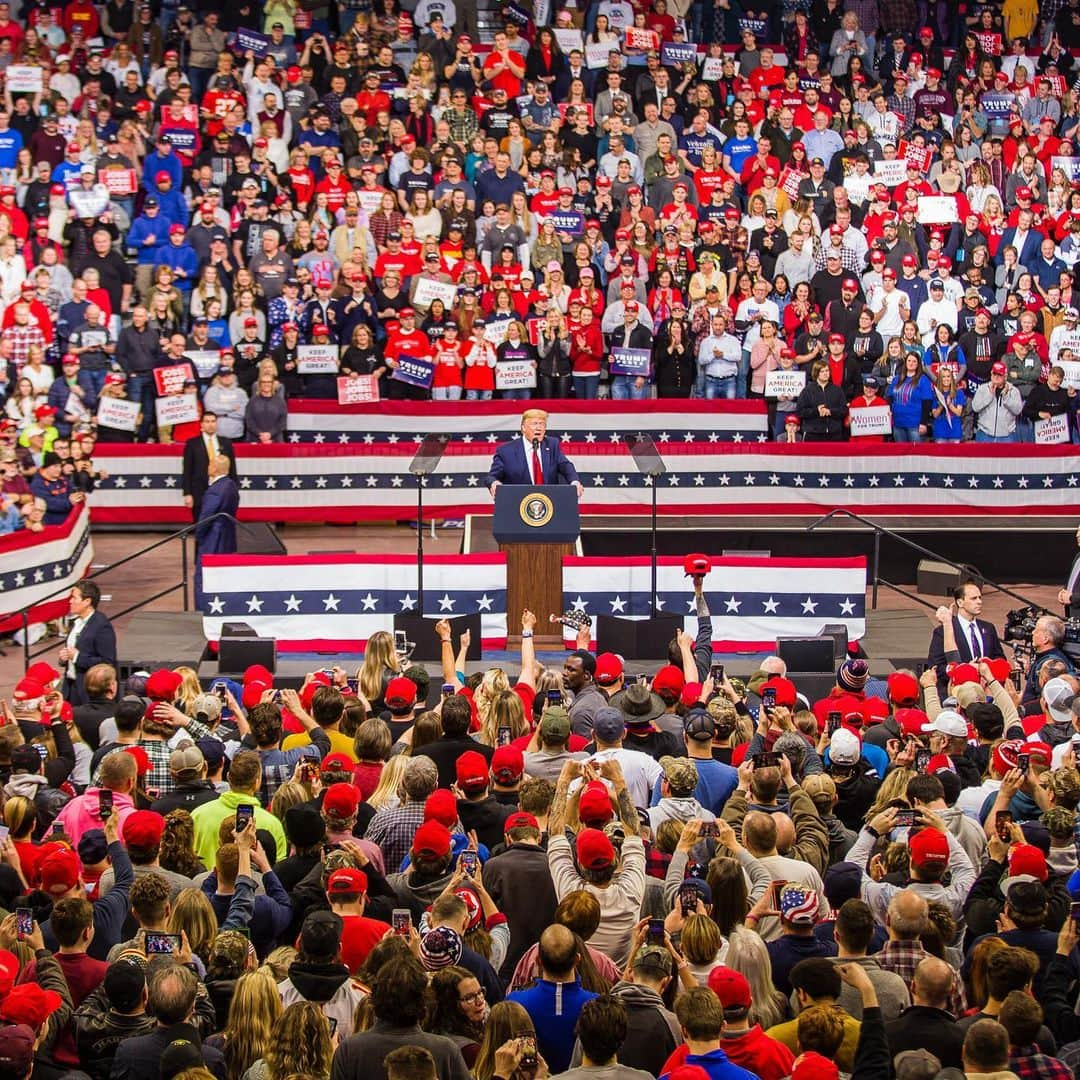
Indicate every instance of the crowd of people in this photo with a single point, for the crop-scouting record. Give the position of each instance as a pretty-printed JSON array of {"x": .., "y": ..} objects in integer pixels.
[
  {"x": 585, "y": 871},
  {"x": 602, "y": 200}
]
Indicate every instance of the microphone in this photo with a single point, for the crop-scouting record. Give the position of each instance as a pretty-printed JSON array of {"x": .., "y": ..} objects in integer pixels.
[{"x": 536, "y": 445}]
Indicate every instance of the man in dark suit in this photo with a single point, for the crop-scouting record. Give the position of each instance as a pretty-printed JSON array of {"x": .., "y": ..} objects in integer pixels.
[
  {"x": 218, "y": 537},
  {"x": 971, "y": 639},
  {"x": 198, "y": 451},
  {"x": 535, "y": 458},
  {"x": 1025, "y": 238},
  {"x": 1069, "y": 597},
  {"x": 91, "y": 640}
]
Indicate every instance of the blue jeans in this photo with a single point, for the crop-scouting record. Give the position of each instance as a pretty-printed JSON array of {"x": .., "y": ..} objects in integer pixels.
[
  {"x": 140, "y": 388},
  {"x": 446, "y": 393},
  {"x": 624, "y": 388},
  {"x": 717, "y": 387},
  {"x": 478, "y": 395},
  {"x": 586, "y": 387},
  {"x": 743, "y": 385},
  {"x": 906, "y": 434},
  {"x": 92, "y": 382},
  {"x": 1025, "y": 430},
  {"x": 981, "y": 436},
  {"x": 515, "y": 395}
]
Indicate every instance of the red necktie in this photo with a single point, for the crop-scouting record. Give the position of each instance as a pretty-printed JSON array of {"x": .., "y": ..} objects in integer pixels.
[{"x": 538, "y": 472}]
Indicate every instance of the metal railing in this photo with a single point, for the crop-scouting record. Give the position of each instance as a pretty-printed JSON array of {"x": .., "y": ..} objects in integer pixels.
[
  {"x": 181, "y": 535},
  {"x": 966, "y": 569}
]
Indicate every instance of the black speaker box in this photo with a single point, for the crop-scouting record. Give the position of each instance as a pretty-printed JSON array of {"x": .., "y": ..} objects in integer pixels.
[
  {"x": 240, "y": 647},
  {"x": 420, "y": 631},
  {"x": 637, "y": 639}
]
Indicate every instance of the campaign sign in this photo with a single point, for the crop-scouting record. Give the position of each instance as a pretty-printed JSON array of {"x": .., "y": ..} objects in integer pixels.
[
  {"x": 182, "y": 139},
  {"x": 989, "y": 42},
  {"x": 24, "y": 79},
  {"x": 569, "y": 39},
  {"x": 871, "y": 420},
  {"x": 567, "y": 221},
  {"x": 758, "y": 27},
  {"x": 317, "y": 359},
  {"x": 1052, "y": 431},
  {"x": 712, "y": 68},
  {"x": 1070, "y": 166},
  {"x": 357, "y": 389},
  {"x": 678, "y": 52},
  {"x": 171, "y": 379},
  {"x": 563, "y": 106},
  {"x": 428, "y": 289},
  {"x": 370, "y": 200},
  {"x": 515, "y": 375},
  {"x": 414, "y": 370},
  {"x": 890, "y": 173},
  {"x": 88, "y": 204},
  {"x": 1072, "y": 374},
  {"x": 639, "y": 38},
  {"x": 252, "y": 41},
  {"x": 919, "y": 156},
  {"x": 516, "y": 14},
  {"x": 119, "y": 181},
  {"x": 630, "y": 362},
  {"x": 1057, "y": 84},
  {"x": 789, "y": 181},
  {"x": 118, "y": 413},
  {"x": 205, "y": 361},
  {"x": 495, "y": 330},
  {"x": 597, "y": 53},
  {"x": 997, "y": 106},
  {"x": 937, "y": 210},
  {"x": 784, "y": 383},
  {"x": 179, "y": 409}
]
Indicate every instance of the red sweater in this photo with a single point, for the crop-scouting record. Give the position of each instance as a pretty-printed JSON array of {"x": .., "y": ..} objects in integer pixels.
[{"x": 752, "y": 1050}]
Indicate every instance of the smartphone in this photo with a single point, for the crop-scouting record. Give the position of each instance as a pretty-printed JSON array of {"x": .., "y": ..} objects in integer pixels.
[
  {"x": 766, "y": 760},
  {"x": 777, "y": 887},
  {"x": 707, "y": 831},
  {"x": 1023, "y": 762},
  {"x": 504, "y": 736},
  {"x": 1074, "y": 911},
  {"x": 328, "y": 672},
  {"x": 221, "y": 690},
  {"x": 1016, "y": 677},
  {"x": 308, "y": 772},
  {"x": 688, "y": 898},
  {"x": 401, "y": 921},
  {"x": 43, "y": 751},
  {"x": 243, "y": 930},
  {"x": 643, "y": 679},
  {"x": 468, "y": 862},
  {"x": 57, "y": 829},
  {"x": 354, "y": 689},
  {"x": 447, "y": 690},
  {"x": 401, "y": 642},
  {"x": 332, "y": 1023},
  {"x": 833, "y": 723},
  {"x": 161, "y": 944},
  {"x": 1002, "y": 821},
  {"x": 655, "y": 933},
  {"x": 716, "y": 672},
  {"x": 4, "y": 832},
  {"x": 905, "y": 819},
  {"x": 528, "y": 1059},
  {"x": 105, "y": 804},
  {"x": 922, "y": 759},
  {"x": 768, "y": 698},
  {"x": 554, "y": 697},
  {"x": 245, "y": 812},
  {"x": 24, "y": 921}
]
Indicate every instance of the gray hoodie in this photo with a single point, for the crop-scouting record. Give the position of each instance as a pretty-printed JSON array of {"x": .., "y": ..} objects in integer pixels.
[{"x": 968, "y": 833}]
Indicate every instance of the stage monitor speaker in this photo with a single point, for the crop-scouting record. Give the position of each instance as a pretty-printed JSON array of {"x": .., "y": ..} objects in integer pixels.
[
  {"x": 258, "y": 538},
  {"x": 813, "y": 685},
  {"x": 426, "y": 649},
  {"x": 240, "y": 647},
  {"x": 637, "y": 639},
  {"x": 806, "y": 653},
  {"x": 933, "y": 578},
  {"x": 838, "y": 633}
]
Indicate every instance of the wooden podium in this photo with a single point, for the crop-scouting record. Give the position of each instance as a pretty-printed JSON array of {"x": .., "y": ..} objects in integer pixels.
[{"x": 535, "y": 526}]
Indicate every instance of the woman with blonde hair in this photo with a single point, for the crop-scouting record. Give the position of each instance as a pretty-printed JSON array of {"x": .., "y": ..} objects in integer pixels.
[
  {"x": 494, "y": 682},
  {"x": 893, "y": 788},
  {"x": 299, "y": 1044},
  {"x": 193, "y": 915},
  {"x": 178, "y": 845},
  {"x": 426, "y": 219},
  {"x": 254, "y": 1012},
  {"x": 702, "y": 945},
  {"x": 507, "y": 1020},
  {"x": 504, "y": 710},
  {"x": 190, "y": 689},
  {"x": 290, "y": 794},
  {"x": 207, "y": 288},
  {"x": 748, "y": 955},
  {"x": 381, "y": 664},
  {"x": 387, "y": 793}
]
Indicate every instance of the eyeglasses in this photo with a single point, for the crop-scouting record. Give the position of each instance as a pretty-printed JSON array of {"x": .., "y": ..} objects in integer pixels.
[{"x": 474, "y": 997}]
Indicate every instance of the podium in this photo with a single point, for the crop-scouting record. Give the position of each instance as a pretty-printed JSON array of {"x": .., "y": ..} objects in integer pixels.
[{"x": 535, "y": 526}]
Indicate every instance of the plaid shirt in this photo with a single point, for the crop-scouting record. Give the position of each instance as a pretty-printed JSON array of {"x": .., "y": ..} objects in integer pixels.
[
  {"x": 463, "y": 125},
  {"x": 278, "y": 766},
  {"x": 1030, "y": 1064},
  {"x": 159, "y": 781},
  {"x": 393, "y": 830},
  {"x": 22, "y": 338},
  {"x": 903, "y": 957}
]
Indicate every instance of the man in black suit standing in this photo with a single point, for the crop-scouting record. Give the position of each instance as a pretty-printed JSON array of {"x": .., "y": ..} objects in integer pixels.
[
  {"x": 91, "y": 640},
  {"x": 1069, "y": 597},
  {"x": 199, "y": 451},
  {"x": 971, "y": 639}
]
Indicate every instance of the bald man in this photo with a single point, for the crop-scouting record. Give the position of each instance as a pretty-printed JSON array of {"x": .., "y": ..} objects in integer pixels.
[
  {"x": 927, "y": 1022},
  {"x": 217, "y": 535}
]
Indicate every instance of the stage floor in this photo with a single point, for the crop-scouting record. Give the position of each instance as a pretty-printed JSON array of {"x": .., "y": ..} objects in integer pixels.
[{"x": 161, "y": 568}]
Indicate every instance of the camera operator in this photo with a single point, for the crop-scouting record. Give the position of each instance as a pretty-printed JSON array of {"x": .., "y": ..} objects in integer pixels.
[{"x": 1046, "y": 639}]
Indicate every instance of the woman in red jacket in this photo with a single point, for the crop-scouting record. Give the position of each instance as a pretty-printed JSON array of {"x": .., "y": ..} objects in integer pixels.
[{"x": 586, "y": 350}]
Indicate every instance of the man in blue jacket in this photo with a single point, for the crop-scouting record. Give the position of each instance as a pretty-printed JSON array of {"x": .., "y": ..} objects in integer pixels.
[
  {"x": 535, "y": 458},
  {"x": 180, "y": 256}
]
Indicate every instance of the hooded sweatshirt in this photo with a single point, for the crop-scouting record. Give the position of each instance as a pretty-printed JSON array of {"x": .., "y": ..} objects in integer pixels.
[
  {"x": 652, "y": 1030},
  {"x": 326, "y": 985}
]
